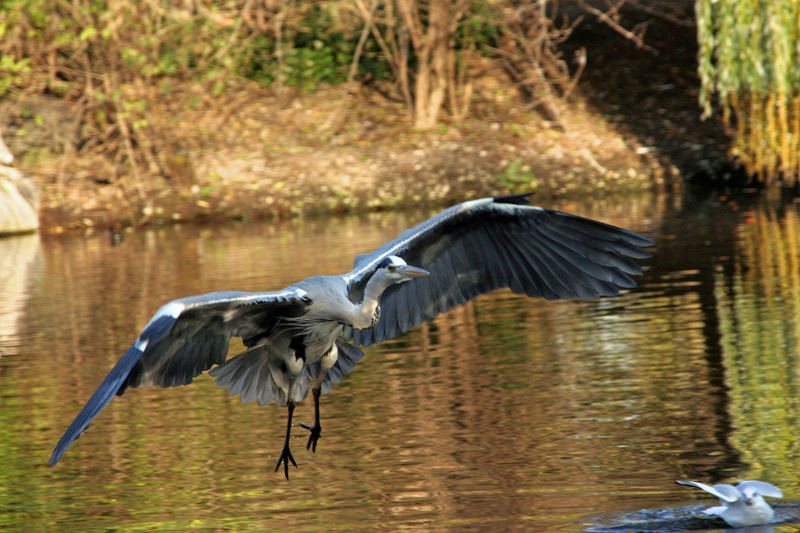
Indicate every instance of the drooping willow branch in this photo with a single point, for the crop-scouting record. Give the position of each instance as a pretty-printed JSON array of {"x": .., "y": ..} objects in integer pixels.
[{"x": 748, "y": 60}]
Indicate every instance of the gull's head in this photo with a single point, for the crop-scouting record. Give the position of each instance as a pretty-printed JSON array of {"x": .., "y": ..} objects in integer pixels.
[{"x": 752, "y": 497}]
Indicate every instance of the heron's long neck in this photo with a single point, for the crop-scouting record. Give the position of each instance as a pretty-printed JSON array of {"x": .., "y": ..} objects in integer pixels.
[{"x": 368, "y": 311}]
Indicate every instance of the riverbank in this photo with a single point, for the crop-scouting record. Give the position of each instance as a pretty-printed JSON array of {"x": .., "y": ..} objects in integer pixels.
[
  {"x": 324, "y": 152},
  {"x": 632, "y": 124}
]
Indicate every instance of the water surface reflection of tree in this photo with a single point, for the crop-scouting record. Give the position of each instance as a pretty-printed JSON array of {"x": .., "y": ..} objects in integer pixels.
[{"x": 759, "y": 313}]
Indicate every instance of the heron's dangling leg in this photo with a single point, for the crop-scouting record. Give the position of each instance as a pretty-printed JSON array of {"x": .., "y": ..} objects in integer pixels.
[
  {"x": 316, "y": 429},
  {"x": 286, "y": 454},
  {"x": 325, "y": 364}
]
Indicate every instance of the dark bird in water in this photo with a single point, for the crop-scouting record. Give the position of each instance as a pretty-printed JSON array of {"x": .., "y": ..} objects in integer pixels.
[{"x": 306, "y": 335}]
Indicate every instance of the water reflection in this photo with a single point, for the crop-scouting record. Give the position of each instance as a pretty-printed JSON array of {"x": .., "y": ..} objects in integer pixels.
[
  {"x": 506, "y": 414},
  {"x": 19, "y": 264},
  {"x": 759, "y": 311}
]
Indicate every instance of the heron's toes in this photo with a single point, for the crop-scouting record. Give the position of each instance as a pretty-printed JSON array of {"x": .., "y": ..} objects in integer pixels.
[
  {"x": 286, "y": 456},
  {"x": 316, "y": 433}
]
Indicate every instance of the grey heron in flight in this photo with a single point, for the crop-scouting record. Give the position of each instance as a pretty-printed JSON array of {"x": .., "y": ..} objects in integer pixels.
[
  {"x": 743, "y": 503},
  {"x": 306, "y": 335}
]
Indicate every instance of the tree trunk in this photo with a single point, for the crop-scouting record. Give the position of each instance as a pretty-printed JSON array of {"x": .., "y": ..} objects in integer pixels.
[
  {"x": 433, "y": 44},
  {"x": 432, "y": 78}
]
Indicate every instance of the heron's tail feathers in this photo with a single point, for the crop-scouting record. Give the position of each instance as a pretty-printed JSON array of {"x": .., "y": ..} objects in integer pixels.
[{"x": 248, "y": 375}]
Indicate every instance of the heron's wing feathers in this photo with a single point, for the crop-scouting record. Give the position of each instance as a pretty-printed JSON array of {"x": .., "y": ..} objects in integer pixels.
[
  {"x": 204, "y": 326},
  {"x": 761, "y": 487},
  {"x": 481, "y": 245},
  {"x": 726, "y": 493},
  {"x": 184, "y": 338}
]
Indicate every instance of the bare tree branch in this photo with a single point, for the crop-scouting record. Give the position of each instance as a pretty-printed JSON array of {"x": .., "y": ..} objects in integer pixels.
[{"x": 604, "y": 17}]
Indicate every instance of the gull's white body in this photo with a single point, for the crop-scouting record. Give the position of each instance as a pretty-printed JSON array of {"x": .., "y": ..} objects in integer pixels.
[{"x": 743, "y": 503}]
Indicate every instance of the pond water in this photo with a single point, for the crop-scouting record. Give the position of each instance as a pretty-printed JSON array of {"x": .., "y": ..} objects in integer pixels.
[{"x": 507, "y": 414}]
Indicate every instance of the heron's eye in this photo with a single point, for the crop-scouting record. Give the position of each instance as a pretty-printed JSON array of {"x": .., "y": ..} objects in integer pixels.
[{"x": 392, "y": 268}]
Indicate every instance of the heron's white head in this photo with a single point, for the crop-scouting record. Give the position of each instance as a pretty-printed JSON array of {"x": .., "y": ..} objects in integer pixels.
[
  {"x": 394, "y": 270},
  {"x": 390, "y": 271}
]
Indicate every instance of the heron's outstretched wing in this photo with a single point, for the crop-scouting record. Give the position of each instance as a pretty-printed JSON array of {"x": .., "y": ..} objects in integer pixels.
[
  {"x": 183, "y": 339},
  {"x": 726, "y": 493},
  {"x": 481, "y": 245},
  {"x": 761, "y": 487}
]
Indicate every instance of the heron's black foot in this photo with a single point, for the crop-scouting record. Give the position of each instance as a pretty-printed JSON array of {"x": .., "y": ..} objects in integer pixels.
[
  {"x": 286, "y": 456},
  {"x": 316, "y": 433}
]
